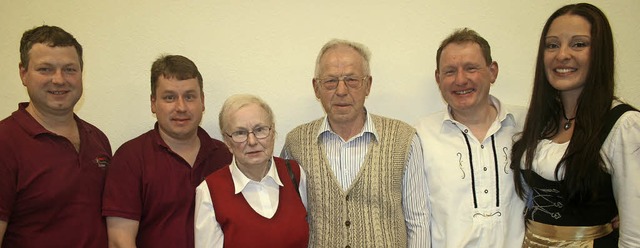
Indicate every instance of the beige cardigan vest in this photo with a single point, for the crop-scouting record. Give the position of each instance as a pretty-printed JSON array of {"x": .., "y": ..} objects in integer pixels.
[{"x": 369, "y": 213}]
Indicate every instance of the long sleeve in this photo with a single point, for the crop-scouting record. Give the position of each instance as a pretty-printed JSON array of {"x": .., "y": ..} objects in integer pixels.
[
  {"x": 414, "y": 194},
  {"x": 302, "y": 187},
  {"x": 208, "y": 233},
  {"x": 622, "y": 150}
]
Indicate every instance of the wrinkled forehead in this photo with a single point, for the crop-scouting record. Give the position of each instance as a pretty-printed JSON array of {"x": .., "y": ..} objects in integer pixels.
[
  {"x": 43, "y": 52},
  {"x": 252, "y": 112},
  {"x": 459, "y": 51},
  {"x": 341, "y": 58}
]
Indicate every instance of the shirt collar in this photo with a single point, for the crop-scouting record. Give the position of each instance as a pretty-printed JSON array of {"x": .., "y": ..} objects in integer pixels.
[
  {"x": 31, "y": 125},
  {"x": 505, "y": 116},
  {"x": 240, "y": 181},
  {"x": 368, "y": 127}
]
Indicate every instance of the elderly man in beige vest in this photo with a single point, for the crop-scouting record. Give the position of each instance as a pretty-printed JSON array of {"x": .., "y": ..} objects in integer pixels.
[{"x": 365, "y": 172}]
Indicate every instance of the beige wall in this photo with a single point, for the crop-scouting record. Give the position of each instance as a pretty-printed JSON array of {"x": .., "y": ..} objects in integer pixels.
[{"x": 269, "y": 47}]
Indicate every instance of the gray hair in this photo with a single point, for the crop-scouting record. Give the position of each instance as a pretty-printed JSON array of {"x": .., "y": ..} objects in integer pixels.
[
  {"x": 235, "y": 102},
  {"x": 358, "y": 47}
]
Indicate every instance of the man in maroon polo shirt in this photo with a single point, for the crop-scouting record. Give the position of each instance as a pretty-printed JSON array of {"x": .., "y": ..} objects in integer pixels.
[
  {"x": 52, "y": 163},
  {"x": 150, "y": 188}
]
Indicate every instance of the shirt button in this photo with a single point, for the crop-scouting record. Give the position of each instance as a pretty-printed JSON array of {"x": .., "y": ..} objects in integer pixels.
[
  {"x": 482, "y": 146},
  {"x": 466, "y": 130},
  {"x": 486, "y": 191},
  {"x": 485, "y": 168},
  {"x": 347, "y": 223},
  {"x": 347, "y": 197}
]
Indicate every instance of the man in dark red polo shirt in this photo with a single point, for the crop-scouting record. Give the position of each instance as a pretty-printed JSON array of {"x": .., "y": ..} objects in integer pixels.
[
  {"x": 52, "y": 163},
  {"x": 150, "y": 188}
]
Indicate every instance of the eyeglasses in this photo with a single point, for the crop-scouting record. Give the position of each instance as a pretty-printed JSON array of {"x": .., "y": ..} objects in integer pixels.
[
  {"x": 242, "y": 135},
  {"x": 351, "y": 82}
]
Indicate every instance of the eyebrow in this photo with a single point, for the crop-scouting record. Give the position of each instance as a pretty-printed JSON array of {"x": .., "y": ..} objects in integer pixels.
[
  {"x": 54, "y": 64},
  {"x": 572, "y": 37},
  {"x": 341, "y": 75}
]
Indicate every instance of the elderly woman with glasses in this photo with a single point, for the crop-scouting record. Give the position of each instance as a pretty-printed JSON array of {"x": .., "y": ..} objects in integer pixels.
[{"x": 258, "y": 200}]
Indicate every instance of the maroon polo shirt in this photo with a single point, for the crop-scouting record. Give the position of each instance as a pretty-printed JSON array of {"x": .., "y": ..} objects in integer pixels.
[
  {"x": 149, "y": 183},
  {"x": 50, "y": 195}
]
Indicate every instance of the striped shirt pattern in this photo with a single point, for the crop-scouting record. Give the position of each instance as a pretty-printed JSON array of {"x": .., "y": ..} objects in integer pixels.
[{"x": 346, "y": 158}]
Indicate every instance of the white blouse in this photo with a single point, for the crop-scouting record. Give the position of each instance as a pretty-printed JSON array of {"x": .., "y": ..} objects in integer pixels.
[
  {"x": 262, "y": 197},
  {"x": 621, "y": 155}
]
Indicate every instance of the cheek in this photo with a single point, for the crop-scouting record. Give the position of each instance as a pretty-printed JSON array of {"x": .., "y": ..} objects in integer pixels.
[
  {"x": 236, "y": 149},
  {"x": 546, "y": 60},
  {"x": 442, "y": 85},
  {"x": 325, "y": 100},
  {"x": 586, "y": 59},
  {"x": 269, "y": 142}
]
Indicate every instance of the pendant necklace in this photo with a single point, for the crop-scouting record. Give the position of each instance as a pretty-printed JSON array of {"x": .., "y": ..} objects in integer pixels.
[{"x": 567, "y": 124}]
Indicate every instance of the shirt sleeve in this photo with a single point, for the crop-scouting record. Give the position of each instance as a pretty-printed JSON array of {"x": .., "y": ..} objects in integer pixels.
[
  {"x": 414, "y": 198},
  {"x": 623, "y": 153},
  {"x": 207, "y": 230},
  {"x": 302, "y": 187},
  {"x": 285, "y": 153},
  {"x": 122, "y": 196},
  {"x": 8, "y": 184}
]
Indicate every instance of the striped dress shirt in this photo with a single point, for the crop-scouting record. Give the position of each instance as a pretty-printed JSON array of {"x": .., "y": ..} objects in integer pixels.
[{"x": 346, "y": 158}]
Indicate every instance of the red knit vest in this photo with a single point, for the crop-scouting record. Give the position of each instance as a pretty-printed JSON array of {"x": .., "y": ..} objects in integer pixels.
[{"x": 243, "y": 227}]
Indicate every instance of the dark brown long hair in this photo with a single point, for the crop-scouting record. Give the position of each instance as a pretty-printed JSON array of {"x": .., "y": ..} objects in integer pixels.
[{"x": 582, "y": 161}]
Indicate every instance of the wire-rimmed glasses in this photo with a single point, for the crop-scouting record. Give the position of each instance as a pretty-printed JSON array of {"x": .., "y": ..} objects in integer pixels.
[{"x": 242, "y": 135}]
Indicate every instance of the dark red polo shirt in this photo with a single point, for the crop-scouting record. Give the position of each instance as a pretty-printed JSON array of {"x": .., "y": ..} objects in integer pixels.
[
  {"x": 150, "y": 183},
  {"x": 50, "y": 195}
]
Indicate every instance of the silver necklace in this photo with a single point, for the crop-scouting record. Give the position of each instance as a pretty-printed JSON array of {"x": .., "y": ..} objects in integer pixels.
[{"x": 567, "y": 123}]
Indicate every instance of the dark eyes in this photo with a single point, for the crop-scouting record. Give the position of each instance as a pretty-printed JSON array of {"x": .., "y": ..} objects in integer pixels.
[
  {"x": 188, "y": 98},
  {"x": 576, "y": 45},
  {"x": 67, "y": 70},
  {"x": 469, "y": 69}
]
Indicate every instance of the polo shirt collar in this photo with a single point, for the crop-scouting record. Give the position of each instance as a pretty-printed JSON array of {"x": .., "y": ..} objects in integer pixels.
[
  {"x": 240, "y": 181},
  {"x": 368, "y": 127},
  {"x": 31, "y": 125}
]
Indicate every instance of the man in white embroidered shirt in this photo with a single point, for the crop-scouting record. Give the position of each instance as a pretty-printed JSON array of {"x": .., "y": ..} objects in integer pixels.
[
  {"x": 365, "y": 178},
  {"x": 466, "y": 151}
]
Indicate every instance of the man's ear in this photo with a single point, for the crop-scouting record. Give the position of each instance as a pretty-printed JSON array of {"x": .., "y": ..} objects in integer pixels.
[
  {"x": 315, "y": 88},
  {"x": 493, "y": 68},
  {"x": 202, "y": 97},
  {"x": 22, "y": 70},
  {"x": 152, "y": 98},
  {"x": 369, "y": 85}
]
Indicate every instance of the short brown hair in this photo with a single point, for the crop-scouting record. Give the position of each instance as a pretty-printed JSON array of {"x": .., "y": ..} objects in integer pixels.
[
  {"x": 462, "y": 36},
  {"x": 173, "y": 66},
  {"x": 49, "y": 35}
]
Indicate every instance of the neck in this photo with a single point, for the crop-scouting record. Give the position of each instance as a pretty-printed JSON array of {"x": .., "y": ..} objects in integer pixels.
[
  {"x": 64, "y": 125},
  {"x": 255, "y": 173},
  {"x": 180, "y": 144},
  {"x": 54, "y": 123},
  {"x": 348, "y": 129},
  {"x": 479, "y": 120},
  {"x": 570, "y": 102},
  {"x": 187, "y": 148}
]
